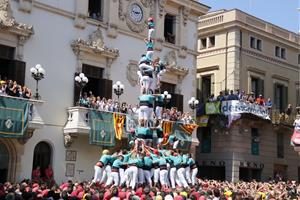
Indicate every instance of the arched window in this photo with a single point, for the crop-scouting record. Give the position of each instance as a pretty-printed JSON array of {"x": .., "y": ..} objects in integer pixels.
[
  {"x": 42, "y": 156},
  {"x": 4, "y": 162}
]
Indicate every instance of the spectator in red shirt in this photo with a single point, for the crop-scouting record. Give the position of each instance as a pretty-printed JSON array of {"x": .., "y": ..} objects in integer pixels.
[
  {"x": 36, "y": 174},
  {"x": 260, "y": 100}
]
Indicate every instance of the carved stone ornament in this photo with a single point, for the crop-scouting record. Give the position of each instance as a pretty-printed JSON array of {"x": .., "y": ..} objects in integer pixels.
[
  {"x": 161, "y": 7},
  {"x": 9, "y": 22},
  {"x": 146, "y": 3},
  {"x": 131, "y": 73},
  {"x": 134, "y": 26},
  {"x": 172, "y": 66},
  {"x": 185, "y": 14},
  {"x": 68, "y": 140},
  {"x": 95, "y": 44}
]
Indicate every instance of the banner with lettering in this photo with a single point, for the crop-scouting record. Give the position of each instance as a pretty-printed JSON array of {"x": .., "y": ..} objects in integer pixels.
[
  {"x": 239, "y": 107},
  {"x": 102, "y": 128},
  {"x": 212, "y": 108},
  {"x": 202, "y": 121},
  {"x": 13, "y": 117}
]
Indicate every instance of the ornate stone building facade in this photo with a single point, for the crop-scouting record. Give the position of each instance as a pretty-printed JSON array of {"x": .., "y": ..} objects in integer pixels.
[
  {"x": 241, "y": 52},
  {"x": 103, "y": 39}
]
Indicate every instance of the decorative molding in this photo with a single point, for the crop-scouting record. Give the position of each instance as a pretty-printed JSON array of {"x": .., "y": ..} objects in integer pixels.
[
  {"x": 278, "y": 77},
  {"x": 131, "y": 74},
  {"x": 68, "y": 140},
  {"x": 8, "y": 22},
  {"x": 255, "y": 70},
  {"x": 207, "y": 69},
  {"x": 94, "y": 45},
  {"x": 25, "y": 5},
  {"x": 161, "y": 7},
  {"x": 70, "y": 169},
  {"x": 71, "y": 155},
  {"x": 185, "y": 14},
  {"x": 147, "y": 3},
  {"x": 121, "y": 10}
]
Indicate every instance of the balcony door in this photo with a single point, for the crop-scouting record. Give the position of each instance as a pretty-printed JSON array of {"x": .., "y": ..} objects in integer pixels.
[{"x": 42, "y": 156}]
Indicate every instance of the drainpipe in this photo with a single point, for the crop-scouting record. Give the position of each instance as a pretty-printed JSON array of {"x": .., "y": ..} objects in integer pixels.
[{"x": 226, "y": 54}]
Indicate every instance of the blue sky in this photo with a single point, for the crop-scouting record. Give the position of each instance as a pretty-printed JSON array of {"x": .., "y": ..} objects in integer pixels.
[{"x": 282, "y": 13}]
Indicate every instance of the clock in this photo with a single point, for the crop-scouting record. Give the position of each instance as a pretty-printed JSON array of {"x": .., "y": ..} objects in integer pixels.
[{"x": 136, "y": 13}]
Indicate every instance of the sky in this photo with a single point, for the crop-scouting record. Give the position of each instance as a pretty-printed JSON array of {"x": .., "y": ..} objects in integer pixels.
[{"x": 283, "y": 13}]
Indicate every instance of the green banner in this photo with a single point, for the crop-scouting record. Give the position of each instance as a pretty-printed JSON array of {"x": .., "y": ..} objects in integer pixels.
[
  {"x": 13, "y": 117},
  {"x": 102, "y": 128},
  {"x": 184, "y": 138},
  {"x": 212, "y": 108}
]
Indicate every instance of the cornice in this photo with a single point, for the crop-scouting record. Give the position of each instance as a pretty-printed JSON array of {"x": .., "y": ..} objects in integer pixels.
[{"x": 207, "y": 69}]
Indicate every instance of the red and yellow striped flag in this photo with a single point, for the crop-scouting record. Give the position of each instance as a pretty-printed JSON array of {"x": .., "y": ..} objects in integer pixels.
[
  {"x": 167, "y": 127},
  {"x": 118, "y": 125}
]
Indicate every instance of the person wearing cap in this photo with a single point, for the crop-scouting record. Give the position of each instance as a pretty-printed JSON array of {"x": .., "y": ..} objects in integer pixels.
[
  {"x": 151, "y": 28},
  {"x": 147, "y": 168},
  {"x": 114, "y": 175},
  {"x": 100, "y": 165},
  {"x": 194, "y": 169},
  {"x": 260, "y": 100}
]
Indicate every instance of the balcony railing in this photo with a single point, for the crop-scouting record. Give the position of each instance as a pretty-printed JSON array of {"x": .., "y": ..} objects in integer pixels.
[{"x": 278, "y": 117}]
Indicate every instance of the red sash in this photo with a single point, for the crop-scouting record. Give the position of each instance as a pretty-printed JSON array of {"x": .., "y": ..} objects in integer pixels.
[
  {"x": 99, "y": 164},
  {"x": 295, "y": 141}
]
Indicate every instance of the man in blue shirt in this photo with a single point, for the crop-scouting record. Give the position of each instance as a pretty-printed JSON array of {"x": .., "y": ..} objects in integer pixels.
[
  {"x": 147, "y": 168},
  {"x": 100, "y": 166},
  {"x": 114, "y": 176}
]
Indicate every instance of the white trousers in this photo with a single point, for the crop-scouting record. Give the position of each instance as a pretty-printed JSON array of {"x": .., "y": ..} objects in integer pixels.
[
  {"x": 141, "y": 176},
  {"x": 151, "y": 32},
  {"x": 194, "y": 175},
  {"x": 181, "y": 174},
  {"x": 113, "y": 178},
  {"x": 106, "y": 173},
  {"x": 147, "y": 176},
  {"x": 144, "y": 113},
  {"x": 122, "y": 176},
  {"x": 156, "y": 175},
  {"x": 158, "y": 112},
  {"x": 174, "y": 178},
  {"x": 127, "y": 177},
  {"x": 98, "y": 173},
  {"x": 163, "y": 176},
  {"x": 133, "y": 175},
  {"x": 188, "y": 174}
]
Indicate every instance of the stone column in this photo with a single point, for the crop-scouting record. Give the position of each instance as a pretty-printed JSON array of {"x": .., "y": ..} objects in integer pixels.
[{"x": 111, "y": 10}]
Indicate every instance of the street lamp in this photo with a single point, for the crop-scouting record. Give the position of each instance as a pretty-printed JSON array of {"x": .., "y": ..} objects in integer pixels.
[
  {"x": 118, "y": 89},
  {"x": 193, "y": 103},
  {"x": 166, "y": 97},
  {"x": 38, "y": 74},
  {"x": 81, "y": 80}
]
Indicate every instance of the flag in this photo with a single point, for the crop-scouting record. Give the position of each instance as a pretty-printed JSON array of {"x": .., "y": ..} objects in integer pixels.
[
  {"x": 184, "y": 138},
  {"x": 203, "y": 120},
  {"x": 102, "y": 128},
  {"x": 167, "y": 127},
  {"x": 13, "y": 117},
  {"x": 131, "y": 123},
  {"x": 118, "y": 125},
  {"x": 188, "y": 128},
  {"x": 212, "y": 108}
]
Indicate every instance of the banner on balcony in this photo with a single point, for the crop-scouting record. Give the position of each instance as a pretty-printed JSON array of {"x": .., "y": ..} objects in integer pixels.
[
  {"x": 131, "y": 123},
  {"x": 102, "y": 128},
  {"x": 239, "y": 107},
  {"x": 13, "y": 117},
  {"x": 212, "y": 108},
  {"x": 184, "y": 138},
  {"x": 202, "y": 121}
]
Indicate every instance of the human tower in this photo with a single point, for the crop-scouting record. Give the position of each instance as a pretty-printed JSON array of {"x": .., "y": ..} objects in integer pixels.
[{"x": 147, "y": 163}]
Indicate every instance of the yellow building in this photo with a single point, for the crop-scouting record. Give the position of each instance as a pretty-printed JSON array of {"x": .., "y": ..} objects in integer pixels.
[{"x": 241, "y": 52}]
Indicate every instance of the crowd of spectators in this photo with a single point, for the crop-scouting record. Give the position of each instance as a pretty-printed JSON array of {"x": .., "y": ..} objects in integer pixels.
[
  {"x": 204, "y": 190},
  {"x": 12, "y": 88},
  {"x": 88, "y": 100},
  {"x": 242, "y": 96}
]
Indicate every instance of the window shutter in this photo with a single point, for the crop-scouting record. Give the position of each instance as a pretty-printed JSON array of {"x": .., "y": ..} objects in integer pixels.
[
  {"x": 105, "y": 88},
  {"x": 178, "y": 101},
  {"x": 285, "y": 97},
  {"x": 17, "y": 70},
  {"x": 261, "y": 87}
]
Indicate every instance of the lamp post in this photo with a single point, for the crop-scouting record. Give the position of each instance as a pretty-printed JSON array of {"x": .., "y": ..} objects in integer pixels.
[
  {"x": 81, "y": 80},
  {"x": 118, "y": 89},
  {"x": 193, "y": 103},
  {"x": 166, "y": 97},
  {"x": 38, "y": 74}
]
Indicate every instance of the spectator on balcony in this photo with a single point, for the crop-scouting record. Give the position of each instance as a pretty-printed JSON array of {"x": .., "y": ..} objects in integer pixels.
[
  {"x": 211, "y": 98},
  {"x": 221, "y": 97},
  {"x": 232, "y": 96},
  {"x": 124, "y": 108},
  {"x": 289, "y": 110},
  {"x": 269, "y": 103},
  {"x": 260, "y": 100},
  {"x": 243, "y": 96},
  {"x": 251, "y": 98},
  {"x": 26, "y": 92},
  {"x": 84, "y": 100}
]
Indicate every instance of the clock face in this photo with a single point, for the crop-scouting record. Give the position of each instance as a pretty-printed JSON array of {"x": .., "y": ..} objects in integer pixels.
[{"x": 136, "y": 12}]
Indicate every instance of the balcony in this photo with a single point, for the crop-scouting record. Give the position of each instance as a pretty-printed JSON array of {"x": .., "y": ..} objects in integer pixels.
[
  {"x": 78, "y": 121},
  {"x": 280, "y": 118},
  {"x": 35, "y": 120}
]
